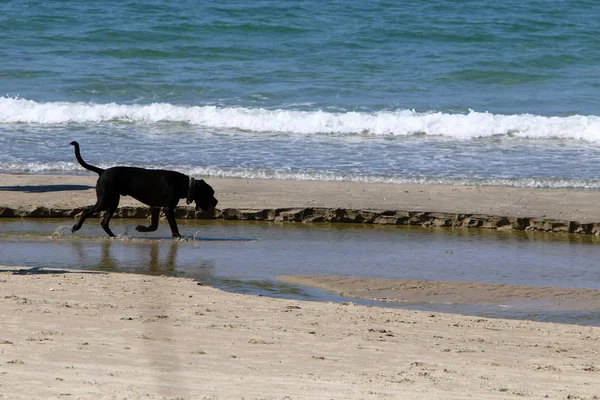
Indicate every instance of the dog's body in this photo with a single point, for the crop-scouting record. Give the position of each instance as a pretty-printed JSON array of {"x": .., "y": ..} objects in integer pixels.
[{"x": 160, "y": 189}]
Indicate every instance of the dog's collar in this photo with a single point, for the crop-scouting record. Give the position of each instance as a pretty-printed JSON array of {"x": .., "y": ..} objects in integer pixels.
[{"x": 190, "y": 193}]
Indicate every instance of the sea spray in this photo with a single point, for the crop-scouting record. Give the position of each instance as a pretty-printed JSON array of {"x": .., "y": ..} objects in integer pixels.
[{"x": 61, "y": 231}]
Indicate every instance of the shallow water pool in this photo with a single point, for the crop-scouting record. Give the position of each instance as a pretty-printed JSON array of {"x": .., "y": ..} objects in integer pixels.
[{"x": 248, "y": 257}]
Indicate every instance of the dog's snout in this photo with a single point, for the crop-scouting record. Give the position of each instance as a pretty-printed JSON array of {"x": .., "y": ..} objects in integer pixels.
[
  {"x": 206, "y": 207},
  {"x": 207, "y": 204}
]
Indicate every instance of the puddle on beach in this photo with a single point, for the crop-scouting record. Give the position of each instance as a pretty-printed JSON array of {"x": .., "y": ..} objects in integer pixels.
[{"x": 247, "y": 257}]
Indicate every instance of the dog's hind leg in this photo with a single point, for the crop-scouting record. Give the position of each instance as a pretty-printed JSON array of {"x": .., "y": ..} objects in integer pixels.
[
  {"x": 170, "y": 214},
  {"x": 103, "y": 202},
  {"x": 112, "y": 201},
  {"x": 88, "y": 213},
  {"x": 109, "y": 204},
  {"x": 154, "y": 212},
  {"x": 107, "y": 216}
]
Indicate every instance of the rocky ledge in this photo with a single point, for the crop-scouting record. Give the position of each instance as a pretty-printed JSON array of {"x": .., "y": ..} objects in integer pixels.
[{"x": 338, "y": 215}]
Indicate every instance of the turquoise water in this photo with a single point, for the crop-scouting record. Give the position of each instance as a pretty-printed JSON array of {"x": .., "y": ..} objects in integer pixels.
[{"x": 471, "y": 92}]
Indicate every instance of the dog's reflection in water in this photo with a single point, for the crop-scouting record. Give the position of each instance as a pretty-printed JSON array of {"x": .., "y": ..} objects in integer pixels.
[{"x": 152, "y": 257}]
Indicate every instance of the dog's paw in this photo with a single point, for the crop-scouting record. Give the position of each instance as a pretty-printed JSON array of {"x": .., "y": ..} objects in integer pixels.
[{"x": 142, "y": 228}]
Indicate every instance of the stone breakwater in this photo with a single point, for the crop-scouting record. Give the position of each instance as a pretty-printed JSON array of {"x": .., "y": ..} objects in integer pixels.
[{"x": 337, "y": 215}]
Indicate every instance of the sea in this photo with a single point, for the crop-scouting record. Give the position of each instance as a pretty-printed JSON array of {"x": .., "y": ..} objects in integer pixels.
[{"x": 472, "y": 92}]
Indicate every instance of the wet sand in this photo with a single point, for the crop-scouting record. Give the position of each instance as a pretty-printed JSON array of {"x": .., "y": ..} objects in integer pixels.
[
  {"x": 419, "y": 291},
  {"x": 84, "y": 335}
]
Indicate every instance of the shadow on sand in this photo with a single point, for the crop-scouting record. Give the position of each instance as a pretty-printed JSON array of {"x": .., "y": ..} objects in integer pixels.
[
  {"x": 44, "y": 188},
  {"x": 40, "y": 271}
]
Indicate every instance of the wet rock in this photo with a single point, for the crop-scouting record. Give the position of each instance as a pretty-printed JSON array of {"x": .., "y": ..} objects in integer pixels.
[
  {"x": 388, "y": 220},
  {"x": 290, "y": 216},
  {"x": 337, "y": 215},
  {"x": 6, "y": 212},
  {"x": 545, "y": 225},
  {"x": 133, "y": 212}
]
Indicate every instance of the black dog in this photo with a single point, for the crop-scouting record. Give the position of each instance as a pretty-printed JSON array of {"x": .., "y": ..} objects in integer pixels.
[{"x": 155, "y": 187}]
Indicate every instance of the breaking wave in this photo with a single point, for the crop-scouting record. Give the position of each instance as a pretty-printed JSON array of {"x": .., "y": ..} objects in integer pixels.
[{"x": 470, "y": 125}]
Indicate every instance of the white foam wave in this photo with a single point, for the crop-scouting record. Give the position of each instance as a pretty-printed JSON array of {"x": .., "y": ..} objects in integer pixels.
[
  {"x": 399, "y": 123},
  {"x": 68, "y": 168}
]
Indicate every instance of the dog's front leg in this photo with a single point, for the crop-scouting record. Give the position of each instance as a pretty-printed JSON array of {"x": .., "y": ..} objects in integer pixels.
[
  {"x": 170, "y": 214},
  {"x": 154, "y": 212}
]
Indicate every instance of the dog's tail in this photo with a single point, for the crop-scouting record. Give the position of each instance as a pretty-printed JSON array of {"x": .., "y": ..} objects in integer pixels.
[{"x": 85, "y": 165}]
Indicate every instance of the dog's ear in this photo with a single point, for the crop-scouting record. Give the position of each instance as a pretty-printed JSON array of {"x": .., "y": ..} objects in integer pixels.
[
  {"x": 202, "y": 187},
  {"x": 203, "y": 191}
]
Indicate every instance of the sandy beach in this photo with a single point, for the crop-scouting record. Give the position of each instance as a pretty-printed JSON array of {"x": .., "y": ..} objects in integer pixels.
[
  {"x": 82, "y": 335},
  {"x": 93, "y": 335}
]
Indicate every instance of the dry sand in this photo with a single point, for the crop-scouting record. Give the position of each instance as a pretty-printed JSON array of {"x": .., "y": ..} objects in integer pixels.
[{"x": 83, "y": 335}]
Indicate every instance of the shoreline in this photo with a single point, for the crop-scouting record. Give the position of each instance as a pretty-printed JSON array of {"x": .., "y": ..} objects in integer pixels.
[
  {"x": 489, "y": 207},
  {"x": 96, "y": 335}
]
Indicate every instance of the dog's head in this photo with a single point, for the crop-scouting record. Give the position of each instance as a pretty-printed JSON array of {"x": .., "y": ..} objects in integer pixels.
[{"x": 204, "y": 196}]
